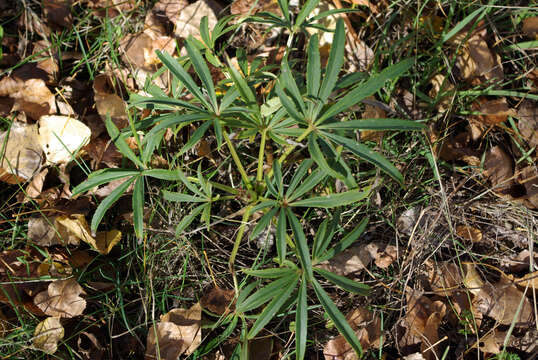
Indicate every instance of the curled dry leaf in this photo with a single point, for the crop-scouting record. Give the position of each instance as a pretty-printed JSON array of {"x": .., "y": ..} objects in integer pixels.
[
  {"x": 530, "y": 27},
  {"x": 218, "y": 301},
  {"x": 61, "y": 136},
  {"x": 188, "y": 21},
  {"x": 20, "y": 157},
  {"x": 163, "y": 15},
  {"x": 178, "y": 332},
  {"x": 61, "y": 299},
  {"x": 527, "y": 113},
  {"x": 469, "y": 233},
  {"x": 47, "y": 334},
  {"x": 107, "y": 100},
  {"x": 498, "y": 168},
  {"x": 493, "y": 112},
  {"x": 139, "y": 49},
  {"x": 421, "y": 323},
  {"x": 31, "y": 96},
  {"x": 530, "y": 280},
  {"x": 58, "y": 12},
  {"x": 70, "y": 230},
  {"x": 367, "y": 327}
]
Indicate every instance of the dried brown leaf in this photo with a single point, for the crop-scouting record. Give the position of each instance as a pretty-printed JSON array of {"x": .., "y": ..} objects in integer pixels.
[
  {"x": 47, "y": 334},
  {"x": 61, "y": 299},
  {"x": 444, "y": 277},
  {"x": 21, "y": 153},
  {"x": 530, "y": 27},
  {"x": 218, "y": 301},
  {"x": 178, "y": 332},
  {"x": 188, "y": 21},
  {"x": 527, "y": 113},
  {"x": 498, "y": 168},
  {"x": 58, "y": 12},
  {"x": 469, "y": 233},
  {"x": 32, "y": 96},
  {"x": 441, "y": 85}
]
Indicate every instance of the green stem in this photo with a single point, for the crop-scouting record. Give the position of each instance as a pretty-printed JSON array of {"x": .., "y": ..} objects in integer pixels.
[
  {"x": 238, "y": 239},
  {"x": 237, "y": 162},
  {"x": 259, "y": 174}
]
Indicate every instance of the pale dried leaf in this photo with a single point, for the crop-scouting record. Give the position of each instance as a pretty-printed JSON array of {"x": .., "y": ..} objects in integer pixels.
[
  {"x": 32, "y": 96},
  {"x": 189, "y": 322},
  {"x": 61, "y": 299},
  {"x": 139, "y": 49},
  {"x": 530, "y": 280},
  {"x": 47, "y": 334},
  {"x": 108, "y": 101},
  {"x": 188, "y": 21},
  {"x": 162, "y": 13},
  {"x": 527, "y": 113},
  {"x": 351, "y": 260},
  {"x": 21, "y": 153},
  {"x": 61, "y": 136},
  {"x": 498, "y": 167}
]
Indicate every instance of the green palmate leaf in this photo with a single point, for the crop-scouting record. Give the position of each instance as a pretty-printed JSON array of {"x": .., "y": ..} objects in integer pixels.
[
  {"x": 204, "y": 31},
  {"x": 319, "y": 238},
  {"x": 318, "y": 156},
  {"x": 169, "y": 103},
  {"x": 281, "y": 227},
  {"x": 374, "y": 124},
  {"x": 175, "y": 196},
  {"x": 335, "y": 62},
  {"x": 195, "y": 137},
  {"x": 287, "y": 80},
  {"x": 242, "y": 87},
  {"x": 263, "y": 223},
  {"x": 288, "y": 104},
  {"x": 102, "y": 176},
  {"x": 178, "y": 71},
  {"x": 347, "y": 241},
  {"x": 273, "y": 307},
  {"x": 271, "y": 187},
  {"x": 150, "y": 144},
  {"x": 214, "y": 342},
  {"x": 272, "y": 273},
  {"x": 108, "y": 202},
  {"x": 301, "y": 244},
  {"x": 344, "y": 283},
  {"x": 163, "y": 174},
  {"x": 263, "y": 295},
  {"x": 170, "y": 120},
  {"x": 229, "y": 98},
  {"x": 138, "y": 207},
  {"x": 337, "y": 317},
  {"x": 367, "y": 154},
  {"x": 284, "y": 7},
  {"x": 369, "y": 87},
  {"x": 298, "y": 176},
  {"x": 313, "y": 67},
  {"x": 278, "y": 178},
  {"x": 187, "y": 220},
  {"x": 308, "y": 184},
  {"x": 301, "y": 321},
  {"x": 202, "y": 70},
  {"x": 307, "y": 8},
  {"x": 264, "y": 204},
  {"x": 333, "y": 200},
  {"x": 120, "y": 143},
  {"x": 324, "y": 14},
  {"x": 326, "y": 236}
]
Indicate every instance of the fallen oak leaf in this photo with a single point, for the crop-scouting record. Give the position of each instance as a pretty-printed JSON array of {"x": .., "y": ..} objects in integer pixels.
[
  {"x": 61, "y": 299},
  {"x": 47, "y": 334}
]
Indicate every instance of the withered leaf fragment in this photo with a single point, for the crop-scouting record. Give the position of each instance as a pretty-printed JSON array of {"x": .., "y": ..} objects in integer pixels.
[
  {"x": 218, "y": 301},
  {"x": 21, "y": 155},
  {"x": 47, "y": 334},
  {"x": 61, "y": 136},
  {"x": 61, "y": 299}
]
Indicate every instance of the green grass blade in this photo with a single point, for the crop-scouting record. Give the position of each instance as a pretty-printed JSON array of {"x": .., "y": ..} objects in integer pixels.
[
  {"x": 471, "y": 17},
  {"x": 281, "y": 227},
  {"x": 108, "y": 202},
  {"x": 338, "y": 318},
  {"x": 102, "y": 176},
  {"x": 369, "y": 87},
  {"x": 138, "y": 207},
  {"x": 301, "y": 244},
  {"x": 333, "y": 200},
  {"x": 301, "y": 322},
  {"x": 335, "y": 62},
  {"x": 279, "y": 298},
  {"x": 344, "y": 283},
  {"x": 313, "y": 67},
  {"x": 200, "y": 67},
  {"x": 263, "y": 295},
  {"x": 368, "y": 154},
  {"x": 178, "y": 71},
  {"x": 374, "y": 124}
]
